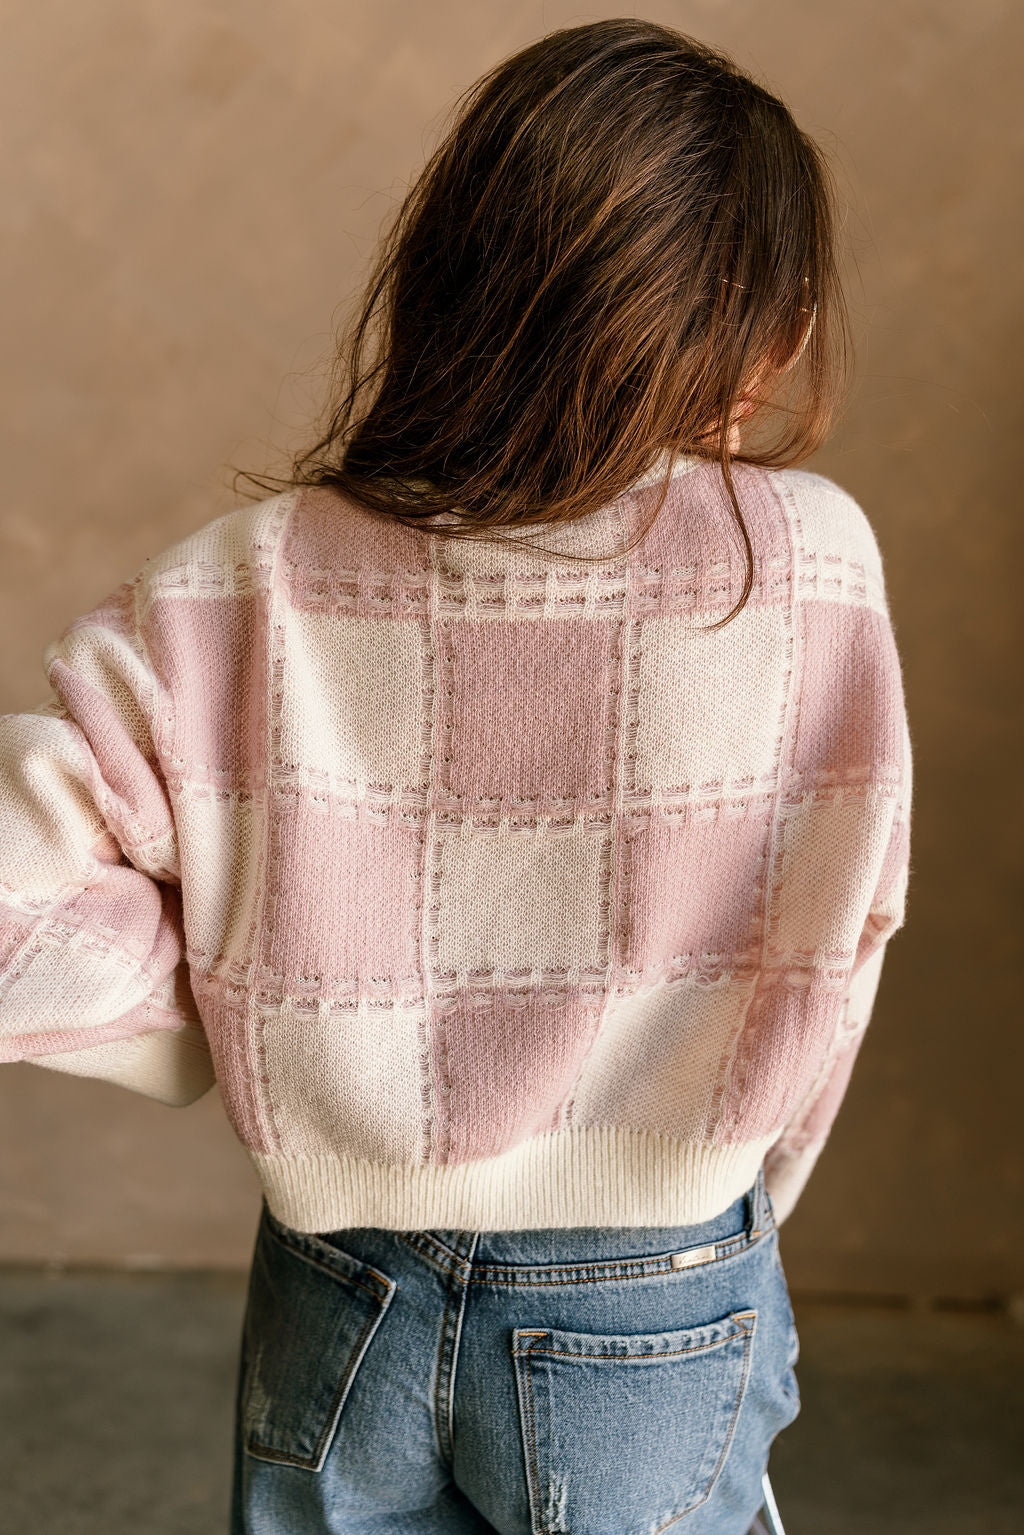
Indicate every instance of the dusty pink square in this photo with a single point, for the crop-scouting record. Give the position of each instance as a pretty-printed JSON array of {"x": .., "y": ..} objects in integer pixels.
[
  {"x": 332, "y": 533},
  {"x": 507, "y": 1068},
  {"x": 821, "y": 1117},
  {"x": 211, "y": 652},
  {"x": 851, "y": 704},
  {"x": 231, "y": 1032},
  {"x": 697, "y": 527},
  {"x": 343, "y": 899},
  {"x": 122, "y": 764},
  {"x": 787, "y": 1032},
  {"x": 15, "y": 928},
  {"x": 530, "y": 709},
  {"x": 143, "y": 916},
  {"x": 692, "y": 885}
]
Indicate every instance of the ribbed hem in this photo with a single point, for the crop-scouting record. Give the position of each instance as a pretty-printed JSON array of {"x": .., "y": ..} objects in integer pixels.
[{"x": 591, "y": 1175}]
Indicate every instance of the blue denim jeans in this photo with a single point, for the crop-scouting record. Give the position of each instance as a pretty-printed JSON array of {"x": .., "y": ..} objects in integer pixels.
[{"x": 580, "y": 1381}]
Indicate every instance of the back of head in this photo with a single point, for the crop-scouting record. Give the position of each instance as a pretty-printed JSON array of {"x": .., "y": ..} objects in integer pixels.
[{"x": 623, "y": 244}]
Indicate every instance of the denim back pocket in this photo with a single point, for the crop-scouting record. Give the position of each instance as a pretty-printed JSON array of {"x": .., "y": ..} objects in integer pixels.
[
  {"x": 624, "y": 1434},
  {"x": 311, "y": 1313}
]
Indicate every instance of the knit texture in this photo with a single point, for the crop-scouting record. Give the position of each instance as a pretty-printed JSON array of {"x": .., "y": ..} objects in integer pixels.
[{"x": 491, "y": 888}]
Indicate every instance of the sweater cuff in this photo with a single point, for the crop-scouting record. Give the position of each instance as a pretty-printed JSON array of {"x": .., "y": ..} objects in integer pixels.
[{"x": 174, "y": 1066}]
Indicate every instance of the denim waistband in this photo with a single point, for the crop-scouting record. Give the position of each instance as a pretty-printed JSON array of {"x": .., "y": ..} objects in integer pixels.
[{"x": 493, "y": 1255}]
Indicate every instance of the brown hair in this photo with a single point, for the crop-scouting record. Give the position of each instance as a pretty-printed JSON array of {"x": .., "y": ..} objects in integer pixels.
[{"x": 622, "y": 242}]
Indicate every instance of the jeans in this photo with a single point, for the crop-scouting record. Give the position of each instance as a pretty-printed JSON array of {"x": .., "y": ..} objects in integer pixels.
[{"x": 580, "y": 1381}]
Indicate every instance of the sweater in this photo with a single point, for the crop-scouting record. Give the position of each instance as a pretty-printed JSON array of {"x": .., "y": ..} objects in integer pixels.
[{"x": 492, "y": 889}]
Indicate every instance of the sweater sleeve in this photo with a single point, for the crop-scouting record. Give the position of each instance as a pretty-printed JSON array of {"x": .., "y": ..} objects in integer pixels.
[
  {"x": 93, "y": 975},
  {"x": 791, "y": 1159}
]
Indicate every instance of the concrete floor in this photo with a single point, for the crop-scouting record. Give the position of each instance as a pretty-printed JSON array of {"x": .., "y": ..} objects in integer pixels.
[{"x": 116, "y": 1394}]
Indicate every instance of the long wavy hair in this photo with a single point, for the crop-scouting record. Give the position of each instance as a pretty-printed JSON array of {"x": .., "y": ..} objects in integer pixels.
[{"x": 623, "y": 245}]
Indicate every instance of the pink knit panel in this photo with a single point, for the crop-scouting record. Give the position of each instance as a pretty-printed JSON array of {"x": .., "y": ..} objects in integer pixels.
[
  {"x": 531, "y": 709},
  {"x": 826, "y": 1106},
  {"x": 146, "y": 1018},
  {"x": 696, "y": 531},
  {"x": 693, "y": 886},
  {"x": 343, "y": 900},
  {"x": 503, "y": 1071},
  {"x": 211, "y": 652},
  {"x": 123, "y": 902},
  {"x": 145, "y": 811},
  {"x": 332, "y": 536},
  {"x": 851, "y": 709},
  {"x": 15, "y": 927},
  {"x": 788, "y": 1030},
  {"x": 233, "y": 1039}
]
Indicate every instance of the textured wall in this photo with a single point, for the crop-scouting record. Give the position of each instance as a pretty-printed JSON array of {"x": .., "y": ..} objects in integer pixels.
[{"x": 191, "y": 195}]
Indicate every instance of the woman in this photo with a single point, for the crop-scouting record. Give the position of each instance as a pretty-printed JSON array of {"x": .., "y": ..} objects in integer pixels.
[{"x": 510, "y": 814}]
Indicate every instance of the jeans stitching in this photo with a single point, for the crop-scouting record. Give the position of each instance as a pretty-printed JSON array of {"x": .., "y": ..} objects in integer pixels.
[
  {"x": 536, "y": 1275},
  {"x": 318, "y": 1262},
  {"x": 740, "y": 1239},
  {"x": 522, "y": 1357},
  {"x": 440, "y": 1415},
  {"x": 668, "y": 1353},
  {"x": 267, "y": 1452},
  {"x": 748, "y": 1335},
  {"x": 442, "y": 1257}
]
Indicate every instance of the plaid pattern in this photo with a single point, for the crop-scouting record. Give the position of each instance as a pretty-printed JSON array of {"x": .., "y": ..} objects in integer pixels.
[{"x": 491, "y": 887}]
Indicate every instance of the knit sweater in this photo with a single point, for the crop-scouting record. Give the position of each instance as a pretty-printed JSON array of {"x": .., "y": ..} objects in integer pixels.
[{"x": 491, "y": 888}]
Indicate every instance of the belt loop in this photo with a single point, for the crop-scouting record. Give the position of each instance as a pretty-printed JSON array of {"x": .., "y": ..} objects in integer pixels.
[
  {"x": 462, "y": 1243},
  {"x": 757, "y": 1205}
]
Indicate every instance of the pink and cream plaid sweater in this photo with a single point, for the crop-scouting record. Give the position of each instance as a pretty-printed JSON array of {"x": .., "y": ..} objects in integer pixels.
[{"x": 491, "y": 888}]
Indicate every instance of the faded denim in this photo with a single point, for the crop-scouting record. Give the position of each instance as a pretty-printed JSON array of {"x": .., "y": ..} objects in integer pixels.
[{"x": 581, "y": 1381}]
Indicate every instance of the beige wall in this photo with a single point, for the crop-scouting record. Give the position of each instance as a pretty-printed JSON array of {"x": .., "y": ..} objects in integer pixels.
[{"x": 190, "y": 193}]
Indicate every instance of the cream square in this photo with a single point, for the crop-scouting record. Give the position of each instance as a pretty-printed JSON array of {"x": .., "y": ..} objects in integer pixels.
[
  {"x": 49, "y": 820},
  {"x": 520, "y": 900},
  {"x": 230, "y": 554},
  {"x": 73, "y": 983},
  {"x": 110, "y": 663},
  {"x": 833, "y": 852},
  {"x": 220, "y": 836},
  {"x": 839, "y": 557},
  {"x": 658, "y": 1057},
  {"x": 353, "y": 699},
  {"x": 351, "y": 1079},
  {"x": 531, "y": 552},
  {"x": 539, "y": 549},
  {"x": 710, "y": 704}
]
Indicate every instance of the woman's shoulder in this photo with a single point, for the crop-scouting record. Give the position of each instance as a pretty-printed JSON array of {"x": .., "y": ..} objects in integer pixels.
[
  {"x": 835, "y": 541},
  {"x": 231, "y": 553}
]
